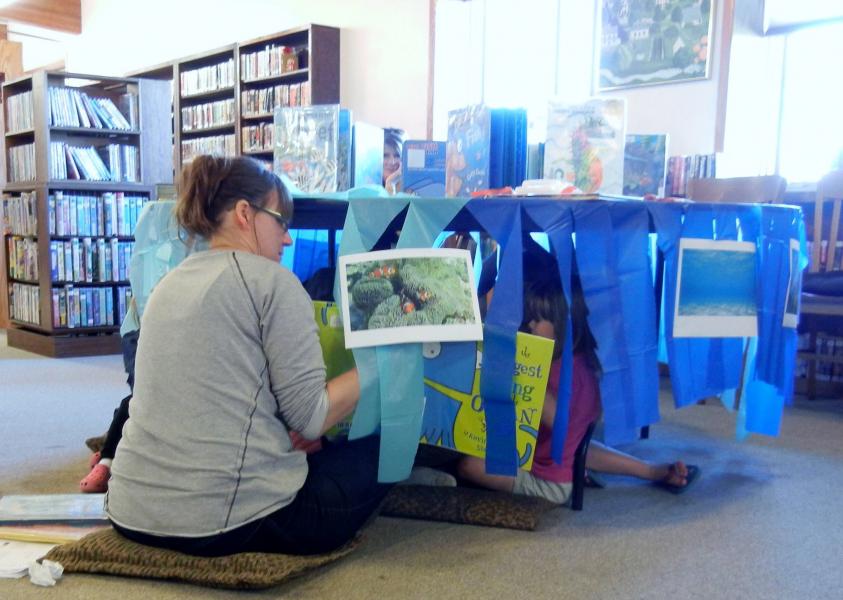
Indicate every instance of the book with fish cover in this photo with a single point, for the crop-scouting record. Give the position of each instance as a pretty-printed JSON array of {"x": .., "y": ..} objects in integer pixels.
[
  {"x": 467, "y": 156},
  {"x": 423, "y": 168},
  {"x": 644, "y": 165}
]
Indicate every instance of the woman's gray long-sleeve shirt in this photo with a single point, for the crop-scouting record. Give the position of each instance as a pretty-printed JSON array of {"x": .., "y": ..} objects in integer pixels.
[{"x": 228, "y": 361}]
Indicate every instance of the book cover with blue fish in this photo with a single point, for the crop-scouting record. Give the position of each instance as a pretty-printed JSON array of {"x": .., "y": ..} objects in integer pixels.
[
  {"x": 423, "y": 168},
  {"x": 467, "y": 157}
]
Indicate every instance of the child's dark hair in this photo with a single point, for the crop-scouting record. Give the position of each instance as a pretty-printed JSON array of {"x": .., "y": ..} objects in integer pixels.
[
  {"x": 545, "y": 300},
  {"x": 211, "y": 185}
]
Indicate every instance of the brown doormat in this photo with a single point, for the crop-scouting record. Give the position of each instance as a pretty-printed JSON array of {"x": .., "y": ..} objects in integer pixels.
[
  {"x": 110, "y": 553},
  {"x": 465, "y": 505}
]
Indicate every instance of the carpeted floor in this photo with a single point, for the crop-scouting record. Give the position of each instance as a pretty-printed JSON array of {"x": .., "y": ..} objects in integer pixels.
[{"x": 762, "y": 522}]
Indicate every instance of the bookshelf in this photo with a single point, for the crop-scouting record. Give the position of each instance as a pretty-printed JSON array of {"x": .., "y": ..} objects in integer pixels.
[
  {"x": 224, "y": 99},
  {"x": 83, "y": 155}
]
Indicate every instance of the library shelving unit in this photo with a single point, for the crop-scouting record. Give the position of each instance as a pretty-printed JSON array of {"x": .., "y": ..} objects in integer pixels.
[
  {"x": 83, "y": 155},
  {"x": 224, "y": 99}
]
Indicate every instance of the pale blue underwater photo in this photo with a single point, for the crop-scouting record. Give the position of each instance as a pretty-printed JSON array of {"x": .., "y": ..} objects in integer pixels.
[{"x": 717, "y": 283}]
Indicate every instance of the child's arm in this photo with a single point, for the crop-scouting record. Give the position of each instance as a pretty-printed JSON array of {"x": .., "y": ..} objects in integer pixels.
[{"x": 549, "y": 410}]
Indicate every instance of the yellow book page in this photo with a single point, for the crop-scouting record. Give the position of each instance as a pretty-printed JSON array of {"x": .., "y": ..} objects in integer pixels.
[{"x": 532, "y": 368}]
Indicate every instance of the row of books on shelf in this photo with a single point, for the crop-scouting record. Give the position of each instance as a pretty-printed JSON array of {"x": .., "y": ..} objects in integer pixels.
[
  {"x": 682, "y": 168},
  {"x": 218, "y": 145},
  {"x": 90, "y": 260},
  {"x": 269, "y": 62},
  {"x": 110, "y": 162},
  {"x": 22, "y": 257},
  {"x": 70, "y": 107},
  {"x": 264, "y": 101},
  {"x": 209, "y": 114},
  {"x": 22, "y": 163},
  {"x": 90, "y": 307},
  {"x": 19, "y": 114},
  {"x": 18, "y": 214},
  {"x": 207, "y": 79},
  {"x": 72, "y": 306},
  {"x": 86, "y": 214},
  {"x": 837, "y": 264},
  {"x": 826, "y": 346},
  {"x": 257, "y": 138}
]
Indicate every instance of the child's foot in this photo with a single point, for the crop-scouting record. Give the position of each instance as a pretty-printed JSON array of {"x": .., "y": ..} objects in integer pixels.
[
  {"x": 94, "y": 460},
  {"x": 96, "y": 482},
  {"x": 677, "y": 477},
  {"x": 428, "y": 476}
]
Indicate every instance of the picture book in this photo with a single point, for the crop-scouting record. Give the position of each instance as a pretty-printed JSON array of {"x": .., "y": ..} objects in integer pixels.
[
  {"x": 467, "y": 152},
  {"x": 312, "y": 146},
  {"x": 423, "y": 168},
  {"x": 49, "y": 533},
  {"x": 367, "y": 155},
  {"x": 644, "y": 165},
  {"x": 337, "y": 358},
  {"x": 585, "y": 144},
  {"x": 454, "y": 416},
  {"x": 53, "y": 508}
]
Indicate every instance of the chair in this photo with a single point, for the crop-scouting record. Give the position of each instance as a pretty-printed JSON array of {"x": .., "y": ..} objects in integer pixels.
[
  {"x": 579, "y": 469},
  {"x": 765, "y": 189},
  {"x": 821, "y": 311}
]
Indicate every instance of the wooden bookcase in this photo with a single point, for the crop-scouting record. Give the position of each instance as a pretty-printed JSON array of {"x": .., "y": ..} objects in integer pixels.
[
  {"x": 317, "y": 56},
  {"x": 43, "y": 330}
]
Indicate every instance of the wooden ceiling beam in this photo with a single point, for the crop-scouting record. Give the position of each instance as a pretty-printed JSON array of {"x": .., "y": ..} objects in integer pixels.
[{"x": 58, "y": 15}]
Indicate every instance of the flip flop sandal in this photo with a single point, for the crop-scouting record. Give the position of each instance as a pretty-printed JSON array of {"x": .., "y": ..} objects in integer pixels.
[{"x": 690, "y": 479}]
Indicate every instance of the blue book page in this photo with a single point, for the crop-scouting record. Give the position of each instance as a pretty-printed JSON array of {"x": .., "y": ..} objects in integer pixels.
[
  {"x": 423, "y": 168},
  {"x": 467, "y": 158},
  {"x": 367, "y": 154}
]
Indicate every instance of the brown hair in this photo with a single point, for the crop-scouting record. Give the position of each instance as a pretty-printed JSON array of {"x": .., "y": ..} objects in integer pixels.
[
  {"x": 545, "y": 300},
  {"x": 211, "y": 185}
]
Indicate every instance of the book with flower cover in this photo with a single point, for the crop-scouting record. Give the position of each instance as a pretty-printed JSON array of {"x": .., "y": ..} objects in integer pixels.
[{"x": 585, "y": 144}]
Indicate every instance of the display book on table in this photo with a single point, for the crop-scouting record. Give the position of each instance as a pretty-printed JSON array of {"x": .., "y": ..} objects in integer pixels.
[
  {"x": 486, "y": 149},
  {"x": 423, "y": 168},
  {"x": 322, "y": 150},
  {"x": 454, "y": 416}
]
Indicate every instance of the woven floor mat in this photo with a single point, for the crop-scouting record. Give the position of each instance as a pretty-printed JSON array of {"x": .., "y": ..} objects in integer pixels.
[
  {"x": 108, "y": 552},
  {"x": 465, "y": 505}
]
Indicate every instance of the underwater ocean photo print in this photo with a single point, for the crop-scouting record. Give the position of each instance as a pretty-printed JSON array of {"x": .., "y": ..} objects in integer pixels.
[
  {"x": 401, "y": 296},
  {"x": 715, "y": 289},
  {"x": 794, "y": 286}
]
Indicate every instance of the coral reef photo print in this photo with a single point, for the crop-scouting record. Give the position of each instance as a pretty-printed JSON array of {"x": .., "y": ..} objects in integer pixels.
[{"x": 401, "y": 296}]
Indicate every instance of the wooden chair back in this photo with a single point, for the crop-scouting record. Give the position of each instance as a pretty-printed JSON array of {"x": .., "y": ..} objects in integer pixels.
[
  {"x": 829, "y": 191},
  {"x": 764, "y": 189}
]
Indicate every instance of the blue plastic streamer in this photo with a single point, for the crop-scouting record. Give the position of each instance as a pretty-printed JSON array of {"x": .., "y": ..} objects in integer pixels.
[
  {"x": 612, "y": 241},
  {"x": 365, "y": 222},
  {"x": 558, "y": 225},
  {"x": 503, "y": 221},
  {"x": 400, "y": 366}
]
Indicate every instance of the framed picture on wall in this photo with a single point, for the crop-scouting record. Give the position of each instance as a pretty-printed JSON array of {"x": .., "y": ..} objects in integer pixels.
[{"x": 648, "y": 42}]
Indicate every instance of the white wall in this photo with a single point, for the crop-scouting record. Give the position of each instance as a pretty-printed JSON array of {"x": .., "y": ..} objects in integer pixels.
[{"x": 383, "y": 45}]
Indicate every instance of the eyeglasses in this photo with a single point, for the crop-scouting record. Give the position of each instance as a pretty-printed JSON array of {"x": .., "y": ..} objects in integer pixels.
[{"x": 279, "y": 218}]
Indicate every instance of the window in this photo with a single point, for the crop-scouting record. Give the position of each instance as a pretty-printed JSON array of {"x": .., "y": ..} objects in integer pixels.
[
  {"x": 811, "y": 129},
  {"x": 511, "y": 54}
]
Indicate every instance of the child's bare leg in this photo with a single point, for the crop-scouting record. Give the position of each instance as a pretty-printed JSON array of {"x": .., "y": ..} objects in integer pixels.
[
  {"x": 608, "y": 460},
  {"x": 474, "y": 470}
]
